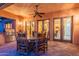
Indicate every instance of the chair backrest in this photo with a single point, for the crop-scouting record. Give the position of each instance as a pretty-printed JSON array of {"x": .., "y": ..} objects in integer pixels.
[{"x": 34, "y": 34}]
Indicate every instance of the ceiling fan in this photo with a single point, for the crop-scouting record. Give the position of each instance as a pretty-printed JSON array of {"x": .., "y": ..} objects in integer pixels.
[{"x": 37, "y": 13}]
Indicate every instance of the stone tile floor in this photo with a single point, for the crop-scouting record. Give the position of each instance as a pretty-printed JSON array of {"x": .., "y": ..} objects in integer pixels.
[
  {"x": 62, "y": 49},
  {"x": 55, "y": 48}
]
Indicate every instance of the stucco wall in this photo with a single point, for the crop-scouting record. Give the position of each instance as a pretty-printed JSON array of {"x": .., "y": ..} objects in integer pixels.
[{"x": 64, "y": 13}]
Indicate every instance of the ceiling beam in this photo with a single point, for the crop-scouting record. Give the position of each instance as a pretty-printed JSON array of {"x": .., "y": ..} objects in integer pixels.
[{"x": 4, "y": 5}]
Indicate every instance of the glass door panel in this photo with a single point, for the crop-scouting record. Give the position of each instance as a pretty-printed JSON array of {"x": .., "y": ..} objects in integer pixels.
[
  {"x": 57, "y": 29},
  {"x": 40, "y": 26},
  {"x": 67, "y": 28},
  {"x": 28, "y": 29},
  {"x": 46, "y": 27},
  {"x": 32, "y": 27}
]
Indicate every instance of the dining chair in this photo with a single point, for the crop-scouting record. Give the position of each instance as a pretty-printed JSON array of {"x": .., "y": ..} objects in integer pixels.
[
  {"x": 22, "y": 43},
  {"x": 22, "y": 46},
  {"x": 32, "y": 46},
  {"x": 42, "y": 44}
]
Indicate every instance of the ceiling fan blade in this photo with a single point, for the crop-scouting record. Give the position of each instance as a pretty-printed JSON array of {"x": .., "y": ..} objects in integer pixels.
[
  {"x": 39, "y": 15},
  {"x": 34, "y": 15}
]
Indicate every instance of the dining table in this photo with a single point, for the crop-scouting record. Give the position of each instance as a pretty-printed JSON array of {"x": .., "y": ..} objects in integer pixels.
[{"x": 33, "y": 43}]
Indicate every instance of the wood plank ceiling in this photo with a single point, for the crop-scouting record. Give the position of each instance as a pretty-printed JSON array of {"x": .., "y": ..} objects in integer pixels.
[{"x": 27, "y": 9}]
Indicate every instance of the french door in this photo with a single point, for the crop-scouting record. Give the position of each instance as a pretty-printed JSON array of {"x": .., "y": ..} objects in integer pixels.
[
  {"x": 62, "y": 29},
  {"x": 67, "y": 28},
  {"x": 47, "y": 28},
  {"x": 57, "y": 29},
  {"x": 43, "y": 25},
  {"x": 30, "y": 27},
  {"x": 40, "y": 26}
]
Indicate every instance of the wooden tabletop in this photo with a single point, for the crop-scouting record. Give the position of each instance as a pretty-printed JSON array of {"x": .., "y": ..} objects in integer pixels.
[{"x": 31, "y": 38}]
